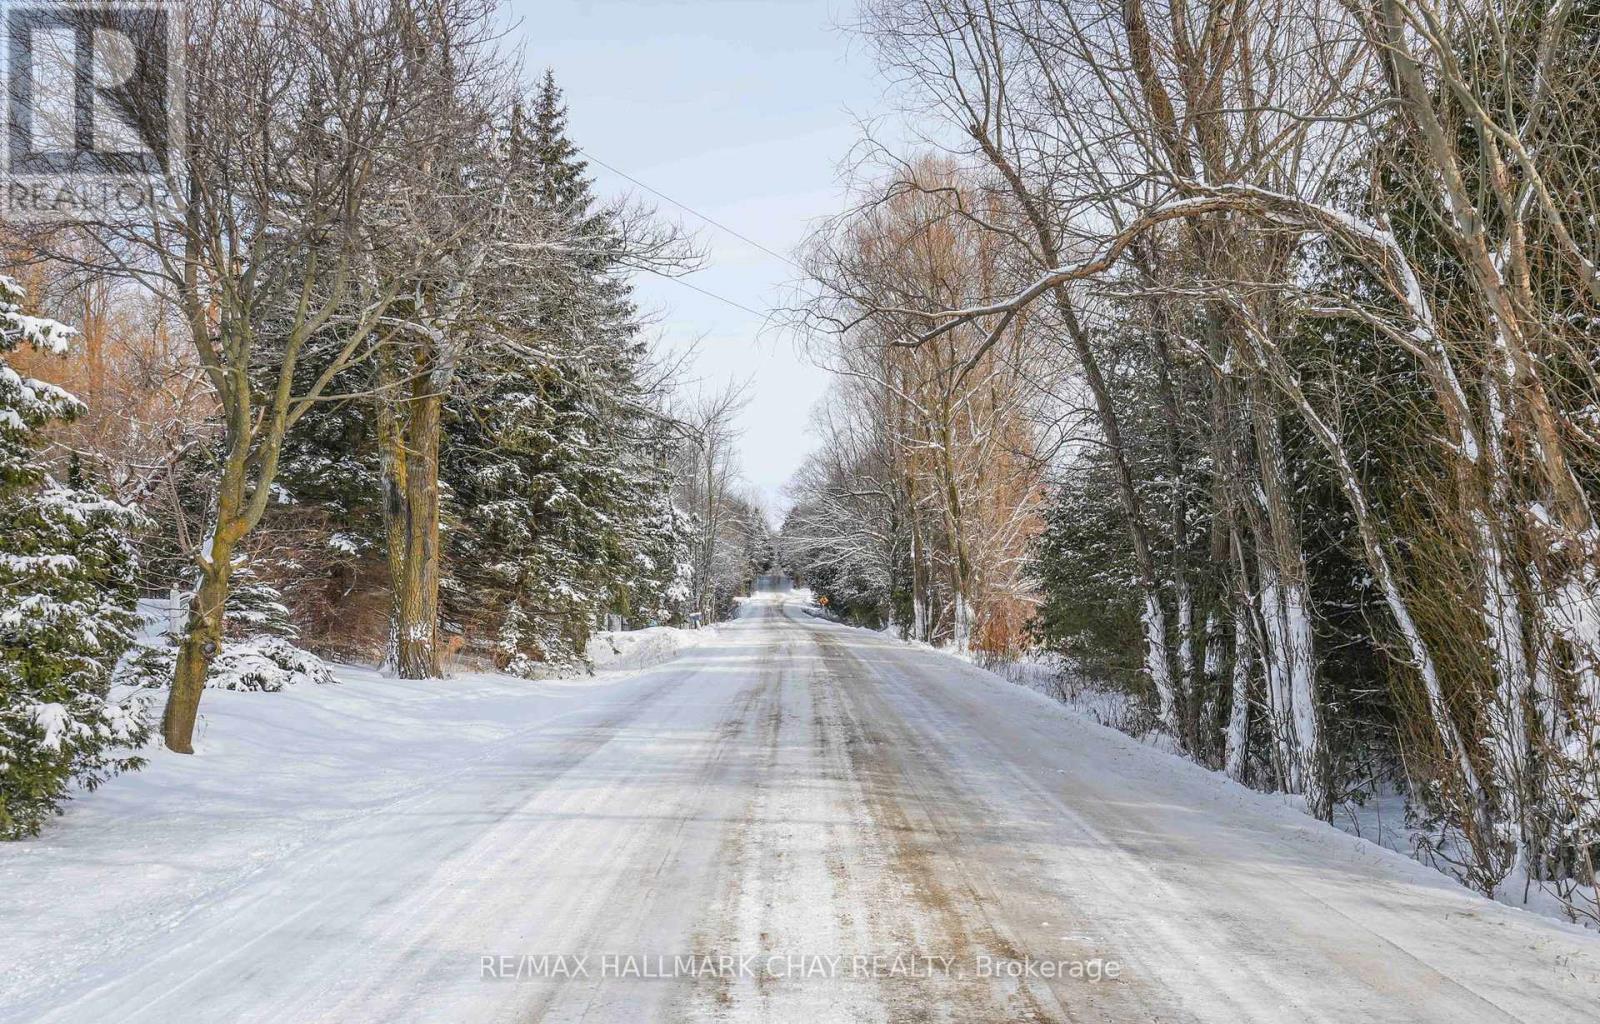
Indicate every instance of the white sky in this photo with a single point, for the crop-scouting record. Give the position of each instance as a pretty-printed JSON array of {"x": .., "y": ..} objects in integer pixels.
[{"x": 742, "y": 110}]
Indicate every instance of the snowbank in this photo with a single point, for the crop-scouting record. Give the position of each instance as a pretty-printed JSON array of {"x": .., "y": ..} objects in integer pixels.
[
  {"x": 1044, "y": 673},
  {"x": 1380, "y": 821},
  {"x": 1381, "y": 818},
  {"x": 630, "y": 649}
]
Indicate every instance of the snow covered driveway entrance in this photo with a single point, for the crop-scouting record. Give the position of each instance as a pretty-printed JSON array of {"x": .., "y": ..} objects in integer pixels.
[{"x": 794, "y": 821}]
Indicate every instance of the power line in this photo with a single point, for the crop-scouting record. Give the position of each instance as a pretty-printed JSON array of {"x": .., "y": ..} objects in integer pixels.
[
  {"x": 691, "y": 210},
  {"x": 711, "y": 294}
]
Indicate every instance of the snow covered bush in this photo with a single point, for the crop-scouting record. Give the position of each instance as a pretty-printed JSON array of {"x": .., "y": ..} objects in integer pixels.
[
  {"x": 265, "y": 664},
  {"x": 66, "y": 603}
]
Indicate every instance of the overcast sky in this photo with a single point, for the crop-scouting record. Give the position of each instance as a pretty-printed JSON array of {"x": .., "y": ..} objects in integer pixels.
[{"x": 741, "y": 110}]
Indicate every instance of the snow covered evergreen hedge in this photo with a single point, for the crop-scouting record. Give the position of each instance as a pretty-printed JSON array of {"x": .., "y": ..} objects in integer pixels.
[{"x": 66, "y": 603}]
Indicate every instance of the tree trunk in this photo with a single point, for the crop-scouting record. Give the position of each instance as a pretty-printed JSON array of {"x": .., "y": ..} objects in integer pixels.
[
  {"x": 202, "y": 639},
  {"x": 1186, "y": 712},
  {"x": 1451, "y": 741},
  {"x": 1286, "y": 605},
  {"x": 1158, "y": 657},
  {"x": 921, "y": 626},
  {"x": 409, "y": 436},
  {"x": 418, "y": 602},
  {"x": 1226, "y": 590},
  {"x": 1236, "y": 749},
  {"x": 955, "y": 525}
]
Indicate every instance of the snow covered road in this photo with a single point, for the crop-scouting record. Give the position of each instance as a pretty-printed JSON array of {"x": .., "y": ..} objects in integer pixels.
[{"x": 795, "y": 821}]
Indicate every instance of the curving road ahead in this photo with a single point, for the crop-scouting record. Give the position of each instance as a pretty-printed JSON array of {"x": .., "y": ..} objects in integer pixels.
[{"x": 804, "y": 822}]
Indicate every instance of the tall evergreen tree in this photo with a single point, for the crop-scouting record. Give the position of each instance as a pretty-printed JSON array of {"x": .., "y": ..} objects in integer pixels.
[{"x": 555, "y": 462}]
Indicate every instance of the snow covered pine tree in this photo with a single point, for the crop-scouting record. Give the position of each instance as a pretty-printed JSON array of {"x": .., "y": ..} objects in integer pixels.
[
  {"x": 555, "y": 460},
  {"x": 66, "y": 602}
]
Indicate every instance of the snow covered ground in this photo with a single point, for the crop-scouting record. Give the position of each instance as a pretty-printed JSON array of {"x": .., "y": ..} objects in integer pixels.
[{"x": 785, "y": 792}]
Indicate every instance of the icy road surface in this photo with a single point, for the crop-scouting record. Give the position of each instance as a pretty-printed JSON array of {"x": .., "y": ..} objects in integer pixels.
[{"x": 803, "y": 822}]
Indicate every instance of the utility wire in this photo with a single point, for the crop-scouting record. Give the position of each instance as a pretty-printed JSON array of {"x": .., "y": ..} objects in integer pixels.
[
  {"x": 711, "y": 294},
  {"x": 709, "y": 220},
  {"x": 691, "y": 210}
]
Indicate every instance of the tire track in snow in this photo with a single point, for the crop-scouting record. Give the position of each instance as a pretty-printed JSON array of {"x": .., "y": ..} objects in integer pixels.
[
  {"x": 917, "y": 807},
  {"x": 627, "y": 921}
]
